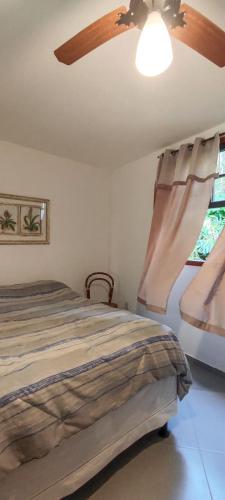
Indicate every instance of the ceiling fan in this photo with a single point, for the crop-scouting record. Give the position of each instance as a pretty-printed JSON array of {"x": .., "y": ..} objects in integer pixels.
[{"x": 157, "y": 21}]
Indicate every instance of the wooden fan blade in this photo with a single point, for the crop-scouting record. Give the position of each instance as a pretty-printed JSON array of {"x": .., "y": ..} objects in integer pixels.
[
  {"x": 92, "y": 37},
  {"x": 202, "y": 35}
]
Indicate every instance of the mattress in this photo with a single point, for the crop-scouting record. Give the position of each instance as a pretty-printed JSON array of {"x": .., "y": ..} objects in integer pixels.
[
  {"x": 66, "y": 362},
  {"x": 78, "y": 459}
]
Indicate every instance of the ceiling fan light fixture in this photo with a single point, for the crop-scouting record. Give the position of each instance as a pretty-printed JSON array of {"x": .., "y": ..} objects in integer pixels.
[{"x": 154, "y": 51}]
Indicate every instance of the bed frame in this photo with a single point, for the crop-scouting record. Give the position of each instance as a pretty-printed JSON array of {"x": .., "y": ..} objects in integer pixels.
[{"x": 79, "y": 458}]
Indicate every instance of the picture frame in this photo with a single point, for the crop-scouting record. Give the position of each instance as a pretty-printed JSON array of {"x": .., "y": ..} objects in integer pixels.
[{"x": 24, "y": 220}]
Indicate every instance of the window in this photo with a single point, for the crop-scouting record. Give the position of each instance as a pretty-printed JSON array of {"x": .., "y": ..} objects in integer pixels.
[{"x": 215, "y": 218}]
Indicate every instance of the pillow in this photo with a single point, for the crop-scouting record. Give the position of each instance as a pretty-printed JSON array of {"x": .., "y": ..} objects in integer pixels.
[{"x": 23, "y": 290}]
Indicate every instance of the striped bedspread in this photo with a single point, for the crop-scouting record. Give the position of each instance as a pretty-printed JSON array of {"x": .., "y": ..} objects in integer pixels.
[{"x": 65, "y": 362}]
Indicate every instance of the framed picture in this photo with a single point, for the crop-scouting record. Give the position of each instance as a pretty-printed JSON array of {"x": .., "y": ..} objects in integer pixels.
[{"x": 23, "y": 220}]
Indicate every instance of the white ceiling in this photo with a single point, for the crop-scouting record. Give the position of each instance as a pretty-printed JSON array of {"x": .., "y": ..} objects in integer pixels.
[{"x": 100, "y": 110}]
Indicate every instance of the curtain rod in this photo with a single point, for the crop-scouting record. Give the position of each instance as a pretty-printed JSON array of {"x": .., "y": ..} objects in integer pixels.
[{"x": 174, "y": 151}]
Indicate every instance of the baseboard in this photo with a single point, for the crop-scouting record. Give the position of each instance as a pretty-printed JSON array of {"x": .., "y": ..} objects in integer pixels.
[{"x": 194, "y": 361}]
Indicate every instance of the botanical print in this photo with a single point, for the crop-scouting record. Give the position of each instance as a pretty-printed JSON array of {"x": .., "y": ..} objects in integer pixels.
[
  {"x": 8, "y": 219},
  {"x": 30, "y": 220},
  {"x": 23, "y": 220}
]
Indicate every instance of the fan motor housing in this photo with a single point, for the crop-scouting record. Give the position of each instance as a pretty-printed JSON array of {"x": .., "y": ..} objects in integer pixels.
[{"x": 139, "y": 10}]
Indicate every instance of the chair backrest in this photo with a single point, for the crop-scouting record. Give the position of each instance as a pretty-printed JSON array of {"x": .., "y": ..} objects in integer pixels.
[{"x": 99, "y": 276}]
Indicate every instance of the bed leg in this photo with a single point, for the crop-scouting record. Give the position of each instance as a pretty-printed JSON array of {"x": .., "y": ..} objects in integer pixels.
[{"x": 164, "y": 432}]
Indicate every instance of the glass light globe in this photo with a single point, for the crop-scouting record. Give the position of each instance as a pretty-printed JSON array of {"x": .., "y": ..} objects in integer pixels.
[{"x": 154, "y": 51}]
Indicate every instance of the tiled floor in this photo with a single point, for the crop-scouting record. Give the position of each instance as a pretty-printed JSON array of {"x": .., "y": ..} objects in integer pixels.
[{"x": 189, "y": 465}]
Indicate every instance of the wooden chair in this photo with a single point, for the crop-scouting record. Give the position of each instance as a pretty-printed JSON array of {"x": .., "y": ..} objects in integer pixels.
[{"x": 99, "y": 276}]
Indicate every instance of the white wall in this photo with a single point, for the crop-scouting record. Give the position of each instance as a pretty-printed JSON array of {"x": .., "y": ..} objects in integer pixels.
[
  {"x": 131, "y": 212},
  {"x": 79, "y": 196}
]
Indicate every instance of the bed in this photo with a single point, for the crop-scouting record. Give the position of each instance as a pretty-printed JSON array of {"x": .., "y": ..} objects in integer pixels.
[{"x": 80, "y": 383}]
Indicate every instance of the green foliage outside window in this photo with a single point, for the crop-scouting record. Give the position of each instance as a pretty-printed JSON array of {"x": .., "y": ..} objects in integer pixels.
[
  {"x": 215, "y": 219},
  {"x": 211, "y": 229}
]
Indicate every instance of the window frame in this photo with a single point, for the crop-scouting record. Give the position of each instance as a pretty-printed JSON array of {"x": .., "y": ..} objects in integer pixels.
[{"x": 213, "y": 204}]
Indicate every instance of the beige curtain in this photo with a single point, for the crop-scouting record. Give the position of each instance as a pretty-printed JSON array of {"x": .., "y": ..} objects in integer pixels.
[
  {"x": 203, "y": 303},
  {"x": 183, "y": 190}
]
